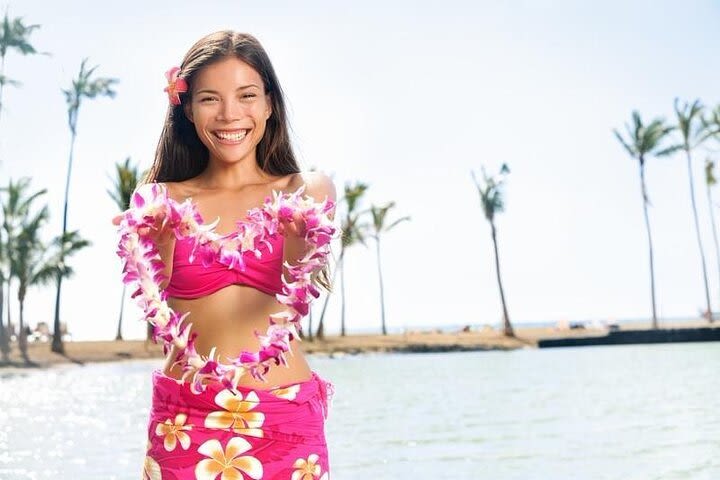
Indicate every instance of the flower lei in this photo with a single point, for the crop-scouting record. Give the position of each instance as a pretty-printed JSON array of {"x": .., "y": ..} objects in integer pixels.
[{"x": 151, "y": 207}]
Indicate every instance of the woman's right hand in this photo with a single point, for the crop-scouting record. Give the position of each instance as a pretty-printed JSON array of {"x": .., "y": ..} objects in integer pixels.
[{"x": 160, "y": 234}]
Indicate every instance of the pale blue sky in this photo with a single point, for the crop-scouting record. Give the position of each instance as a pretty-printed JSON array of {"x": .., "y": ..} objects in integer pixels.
[{"x": 409, "y": 97}]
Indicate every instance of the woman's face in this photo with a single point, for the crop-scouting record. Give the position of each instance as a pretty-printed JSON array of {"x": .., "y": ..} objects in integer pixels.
[{"x": 229, "y": 109}]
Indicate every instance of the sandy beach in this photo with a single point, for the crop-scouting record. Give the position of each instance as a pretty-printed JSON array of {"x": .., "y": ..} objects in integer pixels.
[{"x": 486, "y": 338}]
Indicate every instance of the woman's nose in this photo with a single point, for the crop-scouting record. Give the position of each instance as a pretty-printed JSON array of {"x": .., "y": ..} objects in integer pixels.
[{"x": 230, "y": 110}]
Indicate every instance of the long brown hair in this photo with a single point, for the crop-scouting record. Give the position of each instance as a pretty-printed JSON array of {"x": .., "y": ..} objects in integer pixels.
[{"x": 181, "y": 155}]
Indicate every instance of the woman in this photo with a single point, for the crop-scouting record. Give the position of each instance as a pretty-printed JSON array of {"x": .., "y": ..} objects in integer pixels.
[{"x": 225, "y": 145}]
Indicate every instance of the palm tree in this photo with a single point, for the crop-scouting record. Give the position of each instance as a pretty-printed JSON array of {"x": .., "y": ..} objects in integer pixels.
[
  {"x": 353, "y": 232},
  {"x": 695, "y": 132},
  {"x": 640, "y": 142},
  {"x": 14, "y": 35},
  {"x": 31, "y": 262},
  {"x": 491, "y": 200},
  {"x": 124, "y": 185},
  {"x": 30, "y": 266},
  {"x": 710, "y": 181},
  {"x": 82, "y": 87},
  {"x": 712, "y": 123},
  {"x": 64, "y": 247},
  {"x": 4, "y": 334},
  {"x": 379, "y": 215},
  {"x": 15, "y": 208}
]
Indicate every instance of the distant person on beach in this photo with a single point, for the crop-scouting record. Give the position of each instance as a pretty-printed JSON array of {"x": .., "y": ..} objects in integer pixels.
[{"x": 225, "y": 145}]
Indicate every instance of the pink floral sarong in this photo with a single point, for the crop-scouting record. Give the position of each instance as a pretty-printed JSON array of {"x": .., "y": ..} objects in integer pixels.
[{"x": 276, "y": 433}]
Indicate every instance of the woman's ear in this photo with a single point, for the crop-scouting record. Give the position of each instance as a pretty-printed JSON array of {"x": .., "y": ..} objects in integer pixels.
[
  {"x": 187, "y": 108},
  {"x": 268, "y": 110}
]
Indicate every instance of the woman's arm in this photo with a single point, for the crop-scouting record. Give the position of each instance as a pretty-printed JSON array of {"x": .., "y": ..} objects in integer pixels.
[
  {"x": 166, "y": 245},
  {"x": 318, "y": 186},
  {"x": 164, "y": 240}
]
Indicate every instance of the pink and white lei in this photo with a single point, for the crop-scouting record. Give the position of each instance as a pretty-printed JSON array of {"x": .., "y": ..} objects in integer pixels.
[{"x": 150, "y": 206}]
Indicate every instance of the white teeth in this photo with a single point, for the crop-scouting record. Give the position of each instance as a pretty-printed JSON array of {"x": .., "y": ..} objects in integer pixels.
[{"x": 232, "y": 136}]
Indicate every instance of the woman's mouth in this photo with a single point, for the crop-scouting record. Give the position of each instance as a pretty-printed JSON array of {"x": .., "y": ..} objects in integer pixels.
[{"x": 230, "y": 137}]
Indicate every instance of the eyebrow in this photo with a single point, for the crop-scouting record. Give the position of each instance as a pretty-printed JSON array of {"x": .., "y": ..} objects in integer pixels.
[{"x": 208, "y": 90}]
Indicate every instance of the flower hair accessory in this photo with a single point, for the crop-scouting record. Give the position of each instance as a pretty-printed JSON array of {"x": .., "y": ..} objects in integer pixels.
[{"x": 175, "y": 86}]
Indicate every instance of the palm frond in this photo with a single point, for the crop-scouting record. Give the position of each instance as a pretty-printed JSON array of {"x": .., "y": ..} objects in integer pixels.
[
  {"x": 5, "y": 80},
  {"x": 379, "y": 216},
  {"x": 490, "y": 191},
  {"x": 46, "y": 274},
  {"x": 14, "y": 34},
  {"x": 641, "y": 141},
  {"x": 625, "y": 144},
  {"x": 710, "y": 178},
  {"x": 668, "y": 151},
  {"x": 85, "y": 87},
  {"x": 124, "y": 184},
  {"x": 399, "y": 220},
  {"x": 690, "y": 123}
]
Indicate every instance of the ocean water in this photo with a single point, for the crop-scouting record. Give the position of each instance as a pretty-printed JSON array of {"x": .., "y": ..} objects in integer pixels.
[{"x": 616, "y": 412}]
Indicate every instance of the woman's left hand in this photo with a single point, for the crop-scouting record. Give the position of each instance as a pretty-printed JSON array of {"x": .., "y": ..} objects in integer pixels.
[{"x": 294, "y": 227}]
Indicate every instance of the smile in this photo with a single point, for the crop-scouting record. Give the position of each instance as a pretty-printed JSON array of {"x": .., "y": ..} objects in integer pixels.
[{"x": 230, "y": 137}]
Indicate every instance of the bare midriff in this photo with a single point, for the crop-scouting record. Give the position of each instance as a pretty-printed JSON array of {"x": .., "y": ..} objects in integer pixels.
[{"x": 227, "y": 319}]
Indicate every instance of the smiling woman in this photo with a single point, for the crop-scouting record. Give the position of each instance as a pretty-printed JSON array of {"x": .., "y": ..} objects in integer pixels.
[
  {"x": 215, "y": 99},
  {"x": 225, "y": 145}
]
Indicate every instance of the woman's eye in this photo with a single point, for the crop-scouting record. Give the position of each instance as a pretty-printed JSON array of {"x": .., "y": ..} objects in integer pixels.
[
  {"x": 248, "y": 95},
  {"x": 206, "y": 99}
]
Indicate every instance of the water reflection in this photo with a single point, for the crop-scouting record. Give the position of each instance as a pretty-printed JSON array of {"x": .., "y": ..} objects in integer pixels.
[{"x": 604, "y": 412}]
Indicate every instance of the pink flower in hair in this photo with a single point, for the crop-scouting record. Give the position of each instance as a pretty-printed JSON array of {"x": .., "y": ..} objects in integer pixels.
[{"x": 175, "y": 86}]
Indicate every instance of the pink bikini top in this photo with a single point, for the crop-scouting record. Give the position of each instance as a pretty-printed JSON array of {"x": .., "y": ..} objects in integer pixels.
[{"x": 192, "y": 280}]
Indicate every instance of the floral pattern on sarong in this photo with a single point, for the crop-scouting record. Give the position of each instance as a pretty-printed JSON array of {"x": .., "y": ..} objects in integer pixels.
[
  {"x": 237, "y": 414},
  {"x": 173, "y": 432},
  {"x": 308, "y": 469},
  {"x": 240, "y": 434},
  {"x": 227, "y": 461},
  {"x": 151, "y": 469},
  {"x": 288, "y": 393}
]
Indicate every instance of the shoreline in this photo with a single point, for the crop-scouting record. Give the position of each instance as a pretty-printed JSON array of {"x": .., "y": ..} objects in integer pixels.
[{"x": 425, "y": 341}]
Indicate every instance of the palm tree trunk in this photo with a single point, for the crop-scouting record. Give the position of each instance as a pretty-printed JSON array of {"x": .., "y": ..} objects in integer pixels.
[
  {"x": 57, "y": 343},
  {"x": 9, "y": 309},
  {"x": 2, "y": 73},
  {"x": 321, "y": 324},
  {"x": 118, "y": 335},
  {"x": 310, "y": 331},
  {"x": 342, "y": 300},
  {"x": 382, "y": 296},
  {"x": 4, "y": 334},
  {"x": 507, "y": 327},
  {"x": 320, "y": 334},
  {"x": 22, "y": 335},
  {"x": 699, "y": 239},
  {"x": 714, "y": 228},
  {"x": 650, "y": 243}
]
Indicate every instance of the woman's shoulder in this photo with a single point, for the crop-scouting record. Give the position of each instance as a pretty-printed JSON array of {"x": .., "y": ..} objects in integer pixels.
[
  {"x": 317, "y": 184},
  {"x": 179, "y": 190}
]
